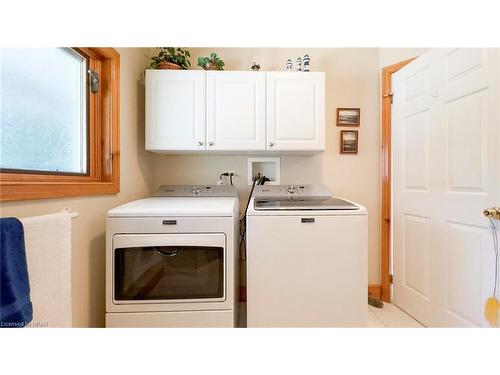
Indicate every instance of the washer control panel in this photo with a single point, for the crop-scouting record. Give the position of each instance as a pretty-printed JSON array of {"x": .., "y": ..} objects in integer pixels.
[
  {"x": 196, "y": 191},
  {"x": 283, "y": 191}
]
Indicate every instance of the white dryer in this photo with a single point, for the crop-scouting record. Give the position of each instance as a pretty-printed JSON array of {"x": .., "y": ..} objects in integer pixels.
[
  {"x": 171, "y": 260},
  {"x": 306, "y": 258}
]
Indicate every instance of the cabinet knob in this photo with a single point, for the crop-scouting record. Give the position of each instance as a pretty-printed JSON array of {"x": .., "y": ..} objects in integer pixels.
[
  {"x": 271, "y": 144},
  {"x": 200, "y": 143},
  {"x": 210, "y": 143}
]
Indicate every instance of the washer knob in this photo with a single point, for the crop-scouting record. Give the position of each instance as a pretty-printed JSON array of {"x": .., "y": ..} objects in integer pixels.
[{"x": 292, "y": 189}]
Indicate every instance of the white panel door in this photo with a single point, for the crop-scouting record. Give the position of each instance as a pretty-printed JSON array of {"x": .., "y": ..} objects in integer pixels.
[
  {"x": 296, "y": 111},
  {"x": 412, "y": 218},
  {"x": 446, "y": 171},
  {"x": 236, "y": 110},
  {"x": 175, "y": 110}
]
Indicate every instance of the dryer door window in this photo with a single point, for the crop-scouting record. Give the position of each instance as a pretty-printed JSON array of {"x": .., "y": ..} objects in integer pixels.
[{"x": 174, "y": 268}]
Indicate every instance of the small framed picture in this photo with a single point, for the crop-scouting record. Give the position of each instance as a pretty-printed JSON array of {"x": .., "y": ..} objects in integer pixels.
[
  {"x": 348, "y": 116},
  {"x": 348, "y": 141}
]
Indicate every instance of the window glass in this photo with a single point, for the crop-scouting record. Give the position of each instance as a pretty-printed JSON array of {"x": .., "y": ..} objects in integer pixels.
[{"x": 43, "y": 110}]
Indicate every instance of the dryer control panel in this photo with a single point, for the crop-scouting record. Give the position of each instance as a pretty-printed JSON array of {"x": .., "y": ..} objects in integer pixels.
[{"x": 196, "y": 191}]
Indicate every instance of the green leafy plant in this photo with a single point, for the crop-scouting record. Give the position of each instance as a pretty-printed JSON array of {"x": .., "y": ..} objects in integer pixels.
[
  {"x": 213, "y": 62},
  {"x": 177, "y": 56}
]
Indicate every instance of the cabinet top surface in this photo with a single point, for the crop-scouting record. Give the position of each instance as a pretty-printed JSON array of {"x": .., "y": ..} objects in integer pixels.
[{"x": 231, "y": 71}]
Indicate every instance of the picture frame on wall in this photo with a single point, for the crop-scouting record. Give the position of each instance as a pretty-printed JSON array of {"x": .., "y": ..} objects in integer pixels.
[
  {"x": 348, "y": 141},
  {"x": 348, "y": 116}
]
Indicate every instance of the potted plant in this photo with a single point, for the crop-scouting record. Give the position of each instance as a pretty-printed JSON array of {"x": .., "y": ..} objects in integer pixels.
[
  {"x": 171, "y": 58},
  {"x": 213, "y": 62}
]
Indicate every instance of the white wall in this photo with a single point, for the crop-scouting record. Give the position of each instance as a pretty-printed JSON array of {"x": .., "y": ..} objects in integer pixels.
[
  {"x": 352, "y": 76},
  {"x": 389, "y": 56},
  {"x": 88, "y": 242}
]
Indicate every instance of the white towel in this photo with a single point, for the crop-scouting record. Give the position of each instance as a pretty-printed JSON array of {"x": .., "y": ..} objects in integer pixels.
[{"x": 48, "y": 253}]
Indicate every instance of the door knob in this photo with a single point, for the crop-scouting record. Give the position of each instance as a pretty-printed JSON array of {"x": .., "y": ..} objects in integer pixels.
[
  {"x": 271, "y": 144},
  {"x": 492, "y": 213}
]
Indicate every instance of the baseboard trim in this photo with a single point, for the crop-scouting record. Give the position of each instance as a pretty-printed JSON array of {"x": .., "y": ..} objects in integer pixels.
[{"x": 375, "y": 290}]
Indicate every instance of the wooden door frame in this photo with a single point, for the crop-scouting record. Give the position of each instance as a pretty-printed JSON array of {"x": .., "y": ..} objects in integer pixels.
[{"x": 385, "y": 177}]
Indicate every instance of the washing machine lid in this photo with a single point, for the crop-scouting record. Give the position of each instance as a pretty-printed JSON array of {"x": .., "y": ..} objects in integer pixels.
[
  {"x": 178, "y": 206},
  {"x": 303, "y": 204}
]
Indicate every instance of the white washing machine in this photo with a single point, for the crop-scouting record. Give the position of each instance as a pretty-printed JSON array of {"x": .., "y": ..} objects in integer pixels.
[
  {"x": 306, "y": 258},
  {"x": 171, "y": 260}
]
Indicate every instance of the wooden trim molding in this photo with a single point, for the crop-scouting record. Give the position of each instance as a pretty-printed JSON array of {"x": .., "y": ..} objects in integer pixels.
[
  {"x": 375, "y": 290},
  {"x": 103, "y": 140},
  {"x": 385, "y": 174}
]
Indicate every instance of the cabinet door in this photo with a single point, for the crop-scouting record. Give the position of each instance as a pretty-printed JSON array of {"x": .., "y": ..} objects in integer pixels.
[
  {"x": 236, "y": 104},
  {"x": 296, "y": 111},
  {"x": 175, "y": 110}
]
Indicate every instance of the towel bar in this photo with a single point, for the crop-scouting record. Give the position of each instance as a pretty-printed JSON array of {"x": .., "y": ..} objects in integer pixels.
[{"x": 70, "y": 212}]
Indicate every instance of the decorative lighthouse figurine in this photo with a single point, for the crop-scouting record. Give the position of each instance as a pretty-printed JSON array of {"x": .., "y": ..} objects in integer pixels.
[
  {"x": 288, "y": 64},
  {"x": 306, "y": 61},
  {"x": 299, "y": 64}
]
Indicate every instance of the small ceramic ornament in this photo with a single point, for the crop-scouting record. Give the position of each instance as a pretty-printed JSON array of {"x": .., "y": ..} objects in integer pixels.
[
  {"x": 298, "y": 68},
  {"x": 306, "y": 62},
  {"x": 256, "y": 63},
  {"x": 288, "y": 64},
  {"x": 255, "y": 67}
]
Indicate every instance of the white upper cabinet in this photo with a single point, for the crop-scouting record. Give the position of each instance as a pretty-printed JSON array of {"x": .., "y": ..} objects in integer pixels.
[
  {"x": 175, "y": 110},
  {"x": 236, "y": 110},
  {"x": 231, "y": 111},
  {"x": 296, "y": 111}
]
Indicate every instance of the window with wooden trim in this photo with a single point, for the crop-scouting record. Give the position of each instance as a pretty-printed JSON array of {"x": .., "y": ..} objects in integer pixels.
[{"x": 59, "y": 122}]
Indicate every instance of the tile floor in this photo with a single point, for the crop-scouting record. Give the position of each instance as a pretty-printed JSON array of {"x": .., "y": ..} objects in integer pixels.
[{"x": 389, "y": 316}]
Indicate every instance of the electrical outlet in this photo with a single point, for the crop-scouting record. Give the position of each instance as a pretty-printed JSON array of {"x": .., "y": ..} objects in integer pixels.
[
  {"x": 228, "y": 172},
  {"x": 225, "y": 179}
]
